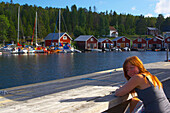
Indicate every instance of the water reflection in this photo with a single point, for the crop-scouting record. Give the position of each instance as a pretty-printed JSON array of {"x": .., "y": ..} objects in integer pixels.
[{"x": 25, "y": 69}]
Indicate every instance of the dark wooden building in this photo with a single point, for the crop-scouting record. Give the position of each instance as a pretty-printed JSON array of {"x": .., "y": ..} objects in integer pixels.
[
  {"x": 104, "y": 43},
  {"x": 86, "y": 42},
  {"x": 155, "y": 43},
  {"x": 152, "y": 31},
  {"x": 139, "y": 43},
  {"x": 167, "y": 42},
  {"x": 121, "y": 42}
]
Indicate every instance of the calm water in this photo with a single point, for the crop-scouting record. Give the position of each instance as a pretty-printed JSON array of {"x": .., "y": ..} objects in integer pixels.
[{"x": 18, "y": 70}]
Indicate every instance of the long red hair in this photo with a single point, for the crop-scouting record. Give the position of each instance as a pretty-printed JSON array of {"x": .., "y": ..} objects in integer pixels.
[{"x": 134, "y": 60}]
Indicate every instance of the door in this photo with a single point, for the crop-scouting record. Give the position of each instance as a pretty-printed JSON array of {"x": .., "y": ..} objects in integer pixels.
[
  {"x": 91, "y": 46},
  {"x": 122, "y": 45},
  {"x": 139, "y": 45}
]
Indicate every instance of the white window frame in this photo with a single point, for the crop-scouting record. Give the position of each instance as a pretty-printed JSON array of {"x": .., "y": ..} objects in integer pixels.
[
  {"x": 88, "y": 45},
  {"x": 139, "y": 40},
  {"x": 150, "y": 45},
  {"x": 135, "y": 45},
  {"x": 159, "y": 45},
  {"x": 154, "y": 39},
  {"x": 118, "y": 44},
  {"x": 127, "y": 44},
  {"x": 168, "y": 40},
  {"x": 143, "y": 45},
  {"x": 64, "y": 37},
  {"x": 95, "y": 45},
  {"x": 123, "y": 39},
  {"x": 91, "y": 39}
]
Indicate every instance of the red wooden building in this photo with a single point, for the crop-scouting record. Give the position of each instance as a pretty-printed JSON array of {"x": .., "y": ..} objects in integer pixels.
[
  {"x": 55, "y": 39},
  {"x": 155, "y": 43},
  {"x": 121, "y": 42},
  {"x": 139, "y": 43},
  {"x": 86, "y": 42},
  {"x": 167, "y": 42},
  {"x": 104, "y": 43},
  {"x": 152, "y": 31}
]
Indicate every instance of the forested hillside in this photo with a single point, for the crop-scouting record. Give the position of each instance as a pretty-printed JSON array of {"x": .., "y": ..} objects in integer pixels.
[{"x": 77, "y": 21}]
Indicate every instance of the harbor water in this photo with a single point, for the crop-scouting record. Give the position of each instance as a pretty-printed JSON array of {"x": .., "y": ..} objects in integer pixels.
[{"x": 17, "y": 70}]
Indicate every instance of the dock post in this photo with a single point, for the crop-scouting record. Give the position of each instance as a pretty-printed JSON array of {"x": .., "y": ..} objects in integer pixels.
[{"x": 167, "y": 53}]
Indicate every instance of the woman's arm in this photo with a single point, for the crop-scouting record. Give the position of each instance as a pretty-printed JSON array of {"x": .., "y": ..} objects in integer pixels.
[{"x": 129, "y": 86}]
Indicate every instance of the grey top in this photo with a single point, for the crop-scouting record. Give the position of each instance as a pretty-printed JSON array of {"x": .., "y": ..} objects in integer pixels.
[{"x": 154, "y": 99}]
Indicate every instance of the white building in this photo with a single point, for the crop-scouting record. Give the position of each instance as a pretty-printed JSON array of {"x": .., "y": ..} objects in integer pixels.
[{"x": 113, "y": 32}]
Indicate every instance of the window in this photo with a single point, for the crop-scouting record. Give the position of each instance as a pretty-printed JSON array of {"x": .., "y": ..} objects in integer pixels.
[
  {"x": 106, "y": 40},
  {"x": 159, "y": 45},
  {"x": 123, "y": 39},
  {"x": 154, "y": 39},
  {"x": 88, "y": 45},
  {"x": 168, "y": 39},
  {"x": 127, "y": 44},
  {"x": 150, "y": 45},
  {"x": 143, "y": 45},
  {"x": 135, "y": 45},
  {"x": 94, "y": 45},
  {"x": 139, "y": 40},
  {"x": 92, "y": 39},
  {"x": 118, "y": 44},
  {"x": 65, "y": 38}
]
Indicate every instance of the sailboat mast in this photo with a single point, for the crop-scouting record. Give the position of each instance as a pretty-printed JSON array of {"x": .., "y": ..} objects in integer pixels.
[
  {"x": 36, "y": 30},
  {"x": 59, "y": 28},
  {"x": 18, "y": 23}
]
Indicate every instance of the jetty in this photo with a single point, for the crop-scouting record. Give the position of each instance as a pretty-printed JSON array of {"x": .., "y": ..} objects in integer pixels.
[{"x": 89, "y": 93}]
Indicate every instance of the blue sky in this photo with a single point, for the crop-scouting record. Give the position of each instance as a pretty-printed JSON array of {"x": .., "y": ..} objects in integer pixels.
[{"x": 149, "y": 8}]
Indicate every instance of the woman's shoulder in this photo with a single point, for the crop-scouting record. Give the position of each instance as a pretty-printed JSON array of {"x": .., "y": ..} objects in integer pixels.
[{"x": 138, "y": 76}]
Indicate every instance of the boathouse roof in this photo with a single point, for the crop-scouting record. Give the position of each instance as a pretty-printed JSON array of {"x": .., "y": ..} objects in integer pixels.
[
  {"x": 158, "y": 38},
  {"x": 152, "y": 28},
  {"x": 83, "y": 37},
  {"x": 55, "y": 36},
  {"x": 117, "y": 38},
  {"x": 102, "y": 39}
]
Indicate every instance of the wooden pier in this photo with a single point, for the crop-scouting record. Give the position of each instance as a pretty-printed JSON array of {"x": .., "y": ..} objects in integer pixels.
[{"x": 90, "y": 93}]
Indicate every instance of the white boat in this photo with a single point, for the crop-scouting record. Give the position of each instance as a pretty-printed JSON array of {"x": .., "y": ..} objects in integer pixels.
[
  {"x": 98, "y": 50},
  {"x": 7, "y": 48},
  {"x": 75, "y": 50},
  {"x": 18, "y": 51}
]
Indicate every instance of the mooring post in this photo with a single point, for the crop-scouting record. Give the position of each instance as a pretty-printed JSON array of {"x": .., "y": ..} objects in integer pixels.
[{"x": 167, "y": 53}]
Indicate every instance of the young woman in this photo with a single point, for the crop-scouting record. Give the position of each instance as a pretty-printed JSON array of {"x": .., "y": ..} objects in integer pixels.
[{"x": 151, "y": 97}]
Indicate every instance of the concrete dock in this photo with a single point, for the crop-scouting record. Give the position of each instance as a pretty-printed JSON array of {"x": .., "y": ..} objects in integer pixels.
[{"x": 90, "y": 93}]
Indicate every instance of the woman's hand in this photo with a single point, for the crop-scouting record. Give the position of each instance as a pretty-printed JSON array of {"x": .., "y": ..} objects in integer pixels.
[{"x": 117, "y": 90}]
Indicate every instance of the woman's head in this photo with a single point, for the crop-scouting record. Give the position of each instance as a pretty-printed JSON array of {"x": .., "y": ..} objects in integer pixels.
[{"x": 133, "y": 61}]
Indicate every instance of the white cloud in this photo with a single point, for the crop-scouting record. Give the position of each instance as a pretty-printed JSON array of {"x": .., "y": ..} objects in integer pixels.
[
  {"x": 133, "y": 8},
  {"x": 102, "y": 2},
  {"x": 162, "y": 7},
  {"x": 149, "y": 15},
  {"x": 167, "y": 15}
]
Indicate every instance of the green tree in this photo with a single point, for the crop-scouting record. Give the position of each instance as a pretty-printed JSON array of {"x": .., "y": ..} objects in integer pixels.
[
  {"x": 82, "y": 17},
  {"x": 89, "y": 20},
  {"x": 159, "y": 21},
  {"x": 4, "y": 23},
  {"x": 74, "y": 19},
  {"x": 130, "y": 24},
  {"x": 166, "y": 25},
  {"x": 141, "y": 26},
  {"x": 121, "y": 29},
  {"x": 79, "y": 31},
  {"x": 12, "y": 33}
]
